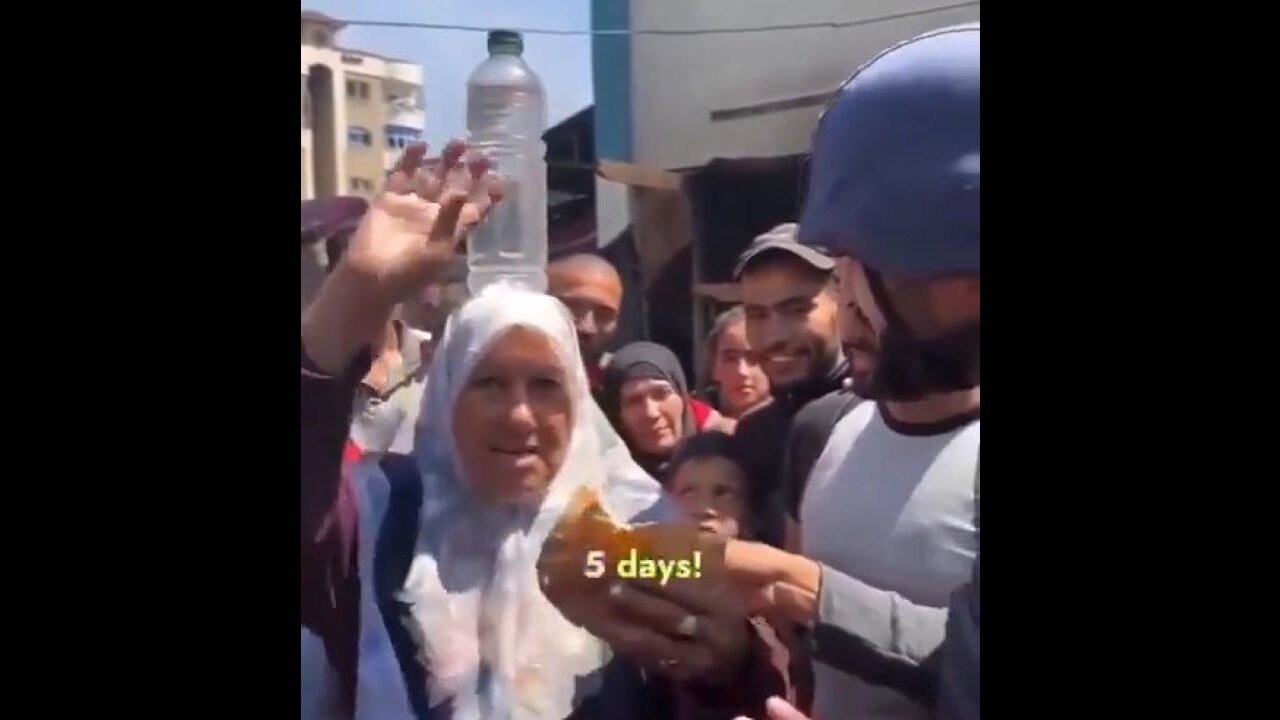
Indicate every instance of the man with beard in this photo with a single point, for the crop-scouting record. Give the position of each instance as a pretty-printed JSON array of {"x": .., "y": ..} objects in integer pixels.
[
  {"x": 592, "y": 290},
  {"x": 789, "y": 298},
  {"x": 812, "y": 426},
  {"x": 890, "y": 514}
]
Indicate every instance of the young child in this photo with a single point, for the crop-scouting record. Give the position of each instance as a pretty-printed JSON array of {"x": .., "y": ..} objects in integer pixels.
[
  {"x": 708, "y": 484},
  {"x": 710, "y": 487}
]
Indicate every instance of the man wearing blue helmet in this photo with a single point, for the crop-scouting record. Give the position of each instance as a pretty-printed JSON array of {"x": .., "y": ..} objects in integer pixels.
[{"x": 889, "y": 513}]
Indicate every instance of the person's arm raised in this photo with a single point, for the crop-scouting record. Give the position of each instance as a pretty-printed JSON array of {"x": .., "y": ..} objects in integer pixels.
[{"x": 410, "y": 234}]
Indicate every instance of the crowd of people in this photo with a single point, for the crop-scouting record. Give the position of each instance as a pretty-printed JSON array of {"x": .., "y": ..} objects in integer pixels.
[{"x": 831, "y": 467}]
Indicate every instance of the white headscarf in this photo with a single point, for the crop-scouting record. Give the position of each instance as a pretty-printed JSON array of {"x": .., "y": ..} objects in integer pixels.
[{"x": 495, "y": 647}]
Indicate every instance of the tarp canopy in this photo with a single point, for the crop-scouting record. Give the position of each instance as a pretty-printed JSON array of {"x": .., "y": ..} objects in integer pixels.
[{"x": 734, "y": 200}]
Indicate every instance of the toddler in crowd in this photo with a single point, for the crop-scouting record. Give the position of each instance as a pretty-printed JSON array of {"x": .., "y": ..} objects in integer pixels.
[{"x": 710, "y": 487}]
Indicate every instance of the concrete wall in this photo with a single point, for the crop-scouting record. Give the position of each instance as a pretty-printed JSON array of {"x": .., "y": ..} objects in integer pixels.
[
  {"x": 613, "y": 210},
  {"x": 366, "y": 163},
  {"x": 696, "y": 97}
]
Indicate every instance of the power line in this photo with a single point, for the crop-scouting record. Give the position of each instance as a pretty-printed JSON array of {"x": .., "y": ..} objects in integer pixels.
[{"x": 656, "y": 31}]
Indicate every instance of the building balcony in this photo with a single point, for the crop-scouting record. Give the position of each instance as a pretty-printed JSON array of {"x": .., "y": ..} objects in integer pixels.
[
  {"x": 416, "y": 119},
  {"x": 407, "y": 73},
  {"x": 404, "y": 109}
]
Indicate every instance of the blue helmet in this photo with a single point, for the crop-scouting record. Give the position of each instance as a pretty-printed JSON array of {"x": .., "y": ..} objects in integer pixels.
[{"x": 895, "y": 174}]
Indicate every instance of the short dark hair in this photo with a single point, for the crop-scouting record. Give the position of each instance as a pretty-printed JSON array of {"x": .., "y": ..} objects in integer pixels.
[
  {"x": 703, "y": 445},
  {"x": 713, "y": 444}
]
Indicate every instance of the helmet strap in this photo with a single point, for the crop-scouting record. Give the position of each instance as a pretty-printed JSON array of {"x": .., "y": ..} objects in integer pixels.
[{"x": 909, "y": 368}]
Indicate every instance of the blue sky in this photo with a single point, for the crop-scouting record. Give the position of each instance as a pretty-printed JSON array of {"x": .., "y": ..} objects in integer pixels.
[{"x": 447, "y": 57}]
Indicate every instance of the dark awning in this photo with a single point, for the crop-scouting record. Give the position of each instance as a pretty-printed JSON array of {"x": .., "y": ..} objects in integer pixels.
[
  {"x": 733, "y": 200},
  {"x": 325, "y": 217}
]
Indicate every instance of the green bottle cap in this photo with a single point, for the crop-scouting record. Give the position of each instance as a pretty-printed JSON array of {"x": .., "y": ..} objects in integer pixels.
[{"x": 505, "y": 42}]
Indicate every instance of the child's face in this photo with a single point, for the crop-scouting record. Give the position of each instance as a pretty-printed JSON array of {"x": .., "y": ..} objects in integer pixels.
[{"x": 710, "y": 491}]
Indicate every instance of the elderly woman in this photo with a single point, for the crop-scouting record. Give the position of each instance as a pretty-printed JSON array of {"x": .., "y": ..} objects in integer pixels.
[{"x": 427, "y": 598}]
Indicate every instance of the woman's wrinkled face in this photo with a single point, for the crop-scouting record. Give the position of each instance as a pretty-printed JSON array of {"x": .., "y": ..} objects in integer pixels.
[
  {"x": 710, "y": 492},
  {"x": 737, "y": 371},
  {"x": 513, "y": 418},
  {"x": 652, "y": 413}
]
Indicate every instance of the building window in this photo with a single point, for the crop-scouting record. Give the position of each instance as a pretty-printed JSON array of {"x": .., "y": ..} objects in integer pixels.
[
  {"x": 358, "y": 89},
  {"x": 399, "y": 136},
  {"x": 361, "y": 185},
  {"x": 359, "y": 136},
  {"x": 320, "y": 37},
  {"x": 404, "y": 103},
  {"x": 398, "y": 142}
]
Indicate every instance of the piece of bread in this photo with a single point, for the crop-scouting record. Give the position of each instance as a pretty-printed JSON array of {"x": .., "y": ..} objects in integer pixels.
[{"x": 583, "y": 552}]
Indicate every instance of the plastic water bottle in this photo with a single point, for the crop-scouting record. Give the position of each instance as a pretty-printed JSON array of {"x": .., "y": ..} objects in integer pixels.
[{"x": 506, "y": 116}]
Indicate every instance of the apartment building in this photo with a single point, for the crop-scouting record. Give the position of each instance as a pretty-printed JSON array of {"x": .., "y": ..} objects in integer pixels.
[{"x": 359, "y": 109}]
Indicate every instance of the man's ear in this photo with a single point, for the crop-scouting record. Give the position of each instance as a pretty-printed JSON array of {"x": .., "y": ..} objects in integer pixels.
[{"x": 956, "y": 299}]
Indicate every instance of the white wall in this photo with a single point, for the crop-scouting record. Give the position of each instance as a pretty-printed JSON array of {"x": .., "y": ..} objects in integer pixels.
[
  {"x": 404, "y": 72},
  {"x": 613, "y": 210},
  {"x": 678, "y": 81},
  {"x": 416, "y": 119}
]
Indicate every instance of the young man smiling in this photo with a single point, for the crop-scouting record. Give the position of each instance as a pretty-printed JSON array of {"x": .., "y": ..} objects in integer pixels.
[{"x": 789, "y": 297}]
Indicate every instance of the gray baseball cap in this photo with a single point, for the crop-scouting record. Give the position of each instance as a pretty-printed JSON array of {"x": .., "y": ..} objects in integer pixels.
[{"x": 783, "y": 239}]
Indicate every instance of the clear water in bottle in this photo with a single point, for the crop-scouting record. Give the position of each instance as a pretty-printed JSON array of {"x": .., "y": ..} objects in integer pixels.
[{"x": 506, "y": 116}]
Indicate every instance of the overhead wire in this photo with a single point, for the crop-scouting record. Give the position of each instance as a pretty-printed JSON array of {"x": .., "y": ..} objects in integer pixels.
[{"x": 834, "y": 24}]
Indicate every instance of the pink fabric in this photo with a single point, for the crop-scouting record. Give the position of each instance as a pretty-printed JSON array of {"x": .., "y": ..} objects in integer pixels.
[{"x": 701, "y": 413}]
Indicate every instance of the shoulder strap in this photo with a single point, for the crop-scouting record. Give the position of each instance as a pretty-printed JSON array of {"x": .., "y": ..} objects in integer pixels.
[
  {"x": 977, "y": 489},
  {"x": 399, "y": 532},
  {"x": 808, "y": 438},
  {"x": 623, "y": 690},
  {"x": 850, "y": 402},
  {"x": 393, "y": 554},
  {"x": 831, "y": 410}
]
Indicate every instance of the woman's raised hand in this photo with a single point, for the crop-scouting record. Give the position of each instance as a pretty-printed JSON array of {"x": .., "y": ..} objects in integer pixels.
[
  {"x": 411, "y": 233},
  {"x": 414, "y": 228}
]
